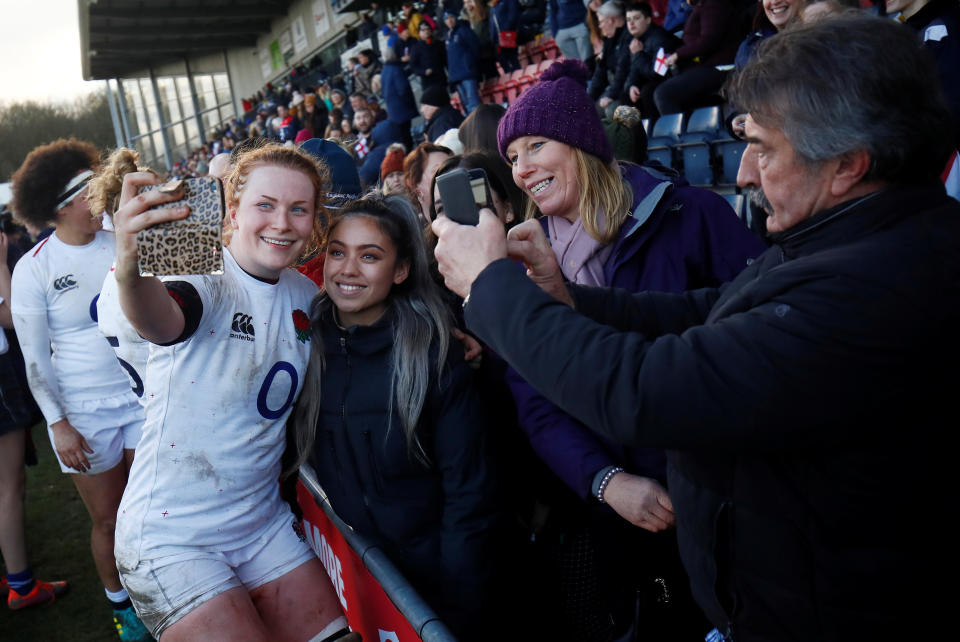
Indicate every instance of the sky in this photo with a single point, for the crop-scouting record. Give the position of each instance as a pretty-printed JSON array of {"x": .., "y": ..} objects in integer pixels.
[{"x": 40, "y": 52}]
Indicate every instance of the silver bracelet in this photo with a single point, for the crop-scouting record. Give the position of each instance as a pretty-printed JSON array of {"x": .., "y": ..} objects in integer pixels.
[{"x": 606, "y": 480}]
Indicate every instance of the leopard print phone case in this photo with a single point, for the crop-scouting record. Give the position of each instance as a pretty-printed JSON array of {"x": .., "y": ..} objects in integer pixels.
[{"x": 193, "y": 245}]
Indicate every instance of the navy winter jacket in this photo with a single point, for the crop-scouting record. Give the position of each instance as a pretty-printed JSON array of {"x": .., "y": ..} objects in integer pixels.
[
  {"x": 432, "y": 521},
  {"x": 463, "y": 52},
  {"x": 429, "y": 55},
  {"x": 641, "y": 63}
]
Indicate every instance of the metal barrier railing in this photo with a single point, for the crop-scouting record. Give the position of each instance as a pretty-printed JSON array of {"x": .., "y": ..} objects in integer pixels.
[{"x": 418, "y": 614}]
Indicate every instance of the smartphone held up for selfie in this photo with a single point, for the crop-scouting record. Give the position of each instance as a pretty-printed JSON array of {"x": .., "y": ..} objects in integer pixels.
[
  {"x": 464, "y": 193},
  {"x": 193, "y": 245}
]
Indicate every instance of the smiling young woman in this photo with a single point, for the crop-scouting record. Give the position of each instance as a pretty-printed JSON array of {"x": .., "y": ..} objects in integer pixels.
[
  {"x": 394, "y": 423},
  {"x": 205, "y": 544}
]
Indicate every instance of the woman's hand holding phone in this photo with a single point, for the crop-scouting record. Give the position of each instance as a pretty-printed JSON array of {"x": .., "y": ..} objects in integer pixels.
[
  {"x": 144, "y": 300},
  {"x": 134, "y": 215}
]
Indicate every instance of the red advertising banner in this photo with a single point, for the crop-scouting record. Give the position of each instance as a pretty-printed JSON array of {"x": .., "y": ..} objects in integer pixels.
[{"x": 369, "y": 611}]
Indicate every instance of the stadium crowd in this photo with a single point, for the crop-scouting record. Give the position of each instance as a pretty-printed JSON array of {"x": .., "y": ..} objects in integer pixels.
[{"x": 611, "y": 410}]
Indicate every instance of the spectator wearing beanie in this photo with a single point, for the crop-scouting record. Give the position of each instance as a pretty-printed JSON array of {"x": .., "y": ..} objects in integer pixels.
[
  {"x": 435, "y": 107},
  {"x": 403, "y": 45},
  {"x": 428, "y": 59},
  {"x": 463, "y": 56},
  {"x": 391, "y": 171},
  {"x": 632, "y": 228}
]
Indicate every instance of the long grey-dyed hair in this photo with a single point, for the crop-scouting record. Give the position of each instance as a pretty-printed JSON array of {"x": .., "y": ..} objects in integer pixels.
[{"x": 420, "y": 320}]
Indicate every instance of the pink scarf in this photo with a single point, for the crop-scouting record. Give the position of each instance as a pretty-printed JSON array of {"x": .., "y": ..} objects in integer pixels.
[{"x": 581, "y": 257}]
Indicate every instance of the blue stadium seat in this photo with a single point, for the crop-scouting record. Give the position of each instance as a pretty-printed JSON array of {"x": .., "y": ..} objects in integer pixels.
[
  {"x": 667, "y": 130},
  {"x": 729, "y": 151},
  {"x": 666, "y": 133},
  {"x": 703, "y": 126}
]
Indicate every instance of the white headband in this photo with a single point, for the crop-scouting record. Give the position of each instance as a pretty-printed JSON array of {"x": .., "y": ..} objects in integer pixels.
[{"x": 76, "y": 184}]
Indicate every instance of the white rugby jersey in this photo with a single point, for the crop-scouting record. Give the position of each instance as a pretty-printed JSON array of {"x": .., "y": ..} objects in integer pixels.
[
  {"x": 207, "y": 466},
  {"x": 54, "y": 304}
]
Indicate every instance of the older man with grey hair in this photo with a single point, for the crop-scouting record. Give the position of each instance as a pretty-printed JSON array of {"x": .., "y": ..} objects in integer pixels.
[
  {"x": 808, "y": 401},
  {"x": 613, "y": 64}
]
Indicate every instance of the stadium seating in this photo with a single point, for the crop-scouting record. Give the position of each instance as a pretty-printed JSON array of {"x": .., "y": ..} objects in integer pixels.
[
  {"x": 666, "y": 133},
  {"x": 550, "y": 49},
  {"x": 528, "y": 77},
  {"x": 511, "y": 88},
  {"x": 703, "y": 126},
  {"x": 728, "y": 151}
]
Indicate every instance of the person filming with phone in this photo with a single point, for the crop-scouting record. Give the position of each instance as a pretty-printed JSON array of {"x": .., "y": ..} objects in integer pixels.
[{"x": 806, "y": 403}]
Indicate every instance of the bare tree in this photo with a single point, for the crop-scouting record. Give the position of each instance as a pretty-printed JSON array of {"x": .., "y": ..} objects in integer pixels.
[{"x": 25, "y": 125}]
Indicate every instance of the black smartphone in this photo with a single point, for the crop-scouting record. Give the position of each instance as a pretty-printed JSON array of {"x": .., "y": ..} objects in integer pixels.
[{"x": 463, "y": 194}]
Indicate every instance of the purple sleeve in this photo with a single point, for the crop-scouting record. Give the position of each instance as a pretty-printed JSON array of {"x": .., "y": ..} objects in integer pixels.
[{"x": 569, "y": 449}]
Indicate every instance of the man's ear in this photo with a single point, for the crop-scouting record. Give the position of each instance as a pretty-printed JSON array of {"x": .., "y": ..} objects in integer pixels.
[{"x": 851, "y": 168}]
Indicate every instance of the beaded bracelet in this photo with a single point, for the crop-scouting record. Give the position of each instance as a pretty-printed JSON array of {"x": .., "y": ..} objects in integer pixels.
[{"x": 606, "y": 480}]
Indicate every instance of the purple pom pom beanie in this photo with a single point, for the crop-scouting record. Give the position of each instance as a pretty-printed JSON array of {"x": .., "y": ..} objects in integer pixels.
[{"x": 557, "y": 107}]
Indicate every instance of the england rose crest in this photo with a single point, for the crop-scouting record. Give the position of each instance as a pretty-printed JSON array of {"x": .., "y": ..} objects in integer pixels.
[{"x": 302, "y": 325}]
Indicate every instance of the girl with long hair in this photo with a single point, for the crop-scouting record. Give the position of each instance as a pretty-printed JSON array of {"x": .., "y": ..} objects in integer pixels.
[{"x": 389, "y": 414}]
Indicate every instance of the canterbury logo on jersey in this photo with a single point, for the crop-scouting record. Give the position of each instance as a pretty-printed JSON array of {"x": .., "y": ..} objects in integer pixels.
[
  {"x": 242, "y": 327},
  {"x": 64, "y": 283}
]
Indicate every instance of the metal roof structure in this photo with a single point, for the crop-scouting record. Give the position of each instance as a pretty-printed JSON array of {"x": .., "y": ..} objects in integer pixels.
[{"x": 122, "y": 37}]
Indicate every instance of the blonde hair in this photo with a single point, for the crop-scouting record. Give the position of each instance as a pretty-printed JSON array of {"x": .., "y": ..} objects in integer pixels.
[
  {"x": 103, "y": 191},
  {"x": 293, "y": 158},
  {"x": 605, "y": 198}
]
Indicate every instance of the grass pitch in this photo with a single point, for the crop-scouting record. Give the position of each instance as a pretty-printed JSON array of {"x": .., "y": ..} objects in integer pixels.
[{"x": 58, "y": 543}]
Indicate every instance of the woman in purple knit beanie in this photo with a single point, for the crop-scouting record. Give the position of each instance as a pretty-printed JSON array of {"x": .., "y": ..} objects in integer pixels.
[
  {"x": 613, "y": 225},
  {"x": 584, "y": 181}
]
